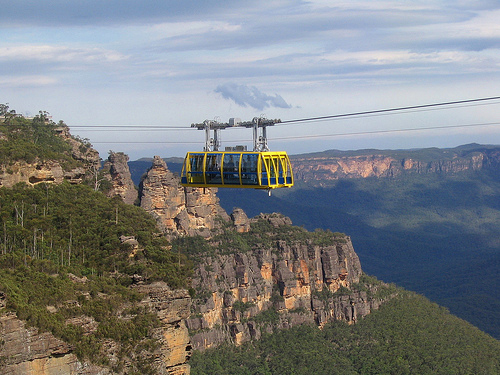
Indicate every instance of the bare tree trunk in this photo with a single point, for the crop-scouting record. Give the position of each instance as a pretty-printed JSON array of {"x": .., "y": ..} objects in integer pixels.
[
  {"x": 4, "y": 238},
  {"x": 34, "y": 243},
  {"x": 70, "y": 242}
]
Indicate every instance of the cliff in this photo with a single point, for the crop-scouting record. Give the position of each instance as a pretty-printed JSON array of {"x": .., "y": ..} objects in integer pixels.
[
  {"x": 37, "y": 164},
  {"x": 178, "y": 210},
  {"x": 334, "y": 165},
  {"x": 40, "y": 172},
  {"x": 274, "y": 276},
  {"x": 27, "y": 350}
]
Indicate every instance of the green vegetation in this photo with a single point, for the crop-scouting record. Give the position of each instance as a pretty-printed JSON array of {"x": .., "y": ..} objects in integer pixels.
[
  {"x": 54, "y": 303},
  {"x": 262, "y": 234},
  {"x": 407, "y": 335},
  {"x": 242, "y": 306},
  {"x": 48, "y": 233},
  {"x": 32, "y": 139},
  {"x": 77, "y": 228}
]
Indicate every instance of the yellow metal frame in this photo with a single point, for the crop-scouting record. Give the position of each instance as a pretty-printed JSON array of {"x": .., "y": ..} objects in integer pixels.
[{"x": 254, "y": 170}]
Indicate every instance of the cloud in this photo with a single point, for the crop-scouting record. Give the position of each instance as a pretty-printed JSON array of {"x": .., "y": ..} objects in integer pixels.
[
  {"x": 26, "y": 81},
  {"x": 59, "y": 54},
  {"x": 250, "y": 96},
  {"x": 109, "y": 12}
]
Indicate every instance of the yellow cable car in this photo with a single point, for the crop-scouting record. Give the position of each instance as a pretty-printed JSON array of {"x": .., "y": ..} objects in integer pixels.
[
  {"x": 236, "y": 167},
  {"x": 242, "y": 169}
]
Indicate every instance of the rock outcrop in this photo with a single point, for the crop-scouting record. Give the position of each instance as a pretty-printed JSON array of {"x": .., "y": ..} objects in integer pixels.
[
  {"x": 286, "y": 282},
  {"x": 117, "y": 171},
  {"x": 26, "y": 350},
  {"x": 81, "y": 150},
  {"x": 52, "y": 171},
  {"x": 240, "y": 220},
  {"x": 173, "y": 308},
  {"x": 179, "y": 210}
]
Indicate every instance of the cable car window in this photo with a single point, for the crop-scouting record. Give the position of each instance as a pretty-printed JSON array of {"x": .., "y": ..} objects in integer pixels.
[
  {"x": 279, "y": 164},
  {"x": 230, "y": 167},
  {"x": 213, "y": 168},
  {"x": 249, "y": 169},
  {"x": 196, "y": 164},
  {"x": 271, "y": 162},
  {"x": 267, "y": 170}
]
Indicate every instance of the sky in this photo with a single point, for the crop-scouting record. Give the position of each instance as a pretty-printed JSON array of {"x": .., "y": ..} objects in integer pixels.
[{"x": 132, "y": 76}]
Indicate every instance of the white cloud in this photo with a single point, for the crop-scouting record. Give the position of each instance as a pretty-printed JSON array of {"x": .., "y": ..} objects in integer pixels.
[
  {"x": 176, "y": 29},
  {"x": 27, "y": 81},
  {"x": 59, "y": 54}
]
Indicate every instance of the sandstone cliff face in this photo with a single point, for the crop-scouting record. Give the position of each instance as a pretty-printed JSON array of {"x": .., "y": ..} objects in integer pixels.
[
  {"x": 178, "y": 210},
  {"x": 284, "y": 283},
  {"x": 39, "y": 172},
  {"x": 117, "y": 171},
  {"x": 317, "y": 168},
  {"x": 26, "y": 350},
  {"x": 52, "y": 171},
  {"x": 172, "y": 308}
]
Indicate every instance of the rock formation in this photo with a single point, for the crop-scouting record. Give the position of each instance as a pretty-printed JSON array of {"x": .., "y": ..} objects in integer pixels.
[
  {"x": 39, "y": 172},
  {"x": 178, "y": 210},
  {"x": 52, "y": 171},
  {"x": 294, "y": 281},
  {"x": 80, "y": 149},
  {"x": 173, "y": 308},
  {"x": 240, "y": 220},
  {"x": 26, "y": 350},
  {"x": 117, "y": 171}
]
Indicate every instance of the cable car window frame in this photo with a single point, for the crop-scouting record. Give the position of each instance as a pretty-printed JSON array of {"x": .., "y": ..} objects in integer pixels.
[
  {"x": 250, "y": 173},
  {"x": 213, "y": 166},
  {"x": 231, "y": 168}
]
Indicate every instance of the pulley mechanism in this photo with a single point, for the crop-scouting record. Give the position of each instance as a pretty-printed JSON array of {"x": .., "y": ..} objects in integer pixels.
[{"x": 259, "y": 141}]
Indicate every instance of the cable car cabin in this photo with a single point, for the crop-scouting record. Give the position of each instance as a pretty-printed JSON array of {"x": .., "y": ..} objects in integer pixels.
[{"x": 240, "y": 169}]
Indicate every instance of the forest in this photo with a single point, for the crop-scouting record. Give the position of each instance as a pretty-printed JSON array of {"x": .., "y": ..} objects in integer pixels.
[{"x": 407, "y": 335}]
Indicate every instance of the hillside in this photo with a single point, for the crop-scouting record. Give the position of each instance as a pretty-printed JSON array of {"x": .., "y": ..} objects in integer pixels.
[
  {"x": 424, "y": 219},
  {"x": 68, "y": 258}
]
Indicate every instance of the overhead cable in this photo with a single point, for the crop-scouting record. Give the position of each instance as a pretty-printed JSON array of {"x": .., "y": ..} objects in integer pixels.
[
  {"x": 322, "y": 135},
  {"x": 352, "y": 114}
]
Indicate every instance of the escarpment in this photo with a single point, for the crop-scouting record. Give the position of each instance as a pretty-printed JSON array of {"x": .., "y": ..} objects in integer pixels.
[
  {"x": 272, "y": 277},
  {"x": 250, "y": 276},
  {"x": 334, "y": 165}
]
